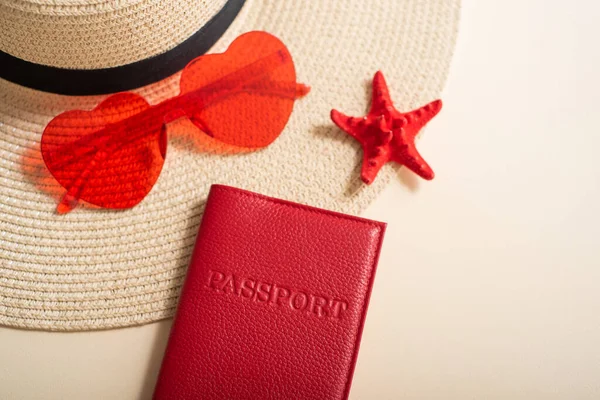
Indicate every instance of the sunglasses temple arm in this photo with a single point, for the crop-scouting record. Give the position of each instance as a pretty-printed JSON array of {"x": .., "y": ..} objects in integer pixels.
[
  {"x": 292, "y": 91},
  {"x": 287, "y": 90}
]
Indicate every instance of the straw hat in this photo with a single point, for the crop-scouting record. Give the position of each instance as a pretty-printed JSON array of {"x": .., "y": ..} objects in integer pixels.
[{"x": 97, "y": 269}]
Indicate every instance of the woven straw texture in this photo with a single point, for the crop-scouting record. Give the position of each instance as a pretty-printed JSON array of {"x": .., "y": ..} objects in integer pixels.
[
  {"x": 98, "y": 269},
  {"x": 99, "y": 33}
]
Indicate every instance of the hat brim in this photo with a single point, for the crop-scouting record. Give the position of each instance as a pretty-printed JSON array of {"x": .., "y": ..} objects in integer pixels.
[{"x": 98, "y": 269}]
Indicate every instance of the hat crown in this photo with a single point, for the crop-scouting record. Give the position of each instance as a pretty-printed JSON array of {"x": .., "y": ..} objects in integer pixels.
[
  {"x": 68, "y": 7},
  {"x": 96, "y": 34}
]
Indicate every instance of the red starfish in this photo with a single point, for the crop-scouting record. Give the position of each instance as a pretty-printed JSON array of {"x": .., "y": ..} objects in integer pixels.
[{"x": 386, "y": 134}]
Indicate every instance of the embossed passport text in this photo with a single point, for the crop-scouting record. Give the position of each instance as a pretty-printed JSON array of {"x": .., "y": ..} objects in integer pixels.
[
  {"x": 273, "y": 293},
  {"x": 273, "y": 304}
]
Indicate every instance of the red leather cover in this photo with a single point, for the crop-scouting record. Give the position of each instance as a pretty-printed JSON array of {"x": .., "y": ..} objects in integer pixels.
[{"x": 274, "y": 302}]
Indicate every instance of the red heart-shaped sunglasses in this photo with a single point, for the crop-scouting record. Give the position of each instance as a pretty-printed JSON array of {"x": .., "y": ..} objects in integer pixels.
[{"x": 112, "y": 155}]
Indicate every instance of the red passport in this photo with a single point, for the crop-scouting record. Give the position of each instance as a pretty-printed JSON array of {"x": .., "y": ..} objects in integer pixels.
[{"x": 274, "y": 302}]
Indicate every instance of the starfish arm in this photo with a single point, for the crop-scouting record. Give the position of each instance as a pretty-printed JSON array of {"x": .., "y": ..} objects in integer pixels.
[
  {"x": 373, "y": 160},
  {"x": 412, "y": 160},
  {"x": 381, "y": 99},
  {"x": 354, "y": 127},
  {"x": 418, "y": 118}
]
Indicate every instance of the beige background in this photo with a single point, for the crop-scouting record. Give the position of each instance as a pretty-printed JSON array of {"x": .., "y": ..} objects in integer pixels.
[{"x": 489, "y": 281}]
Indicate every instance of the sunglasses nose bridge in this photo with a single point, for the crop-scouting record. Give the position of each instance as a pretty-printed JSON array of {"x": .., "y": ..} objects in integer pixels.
[{"x": 174, "y": 114}]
